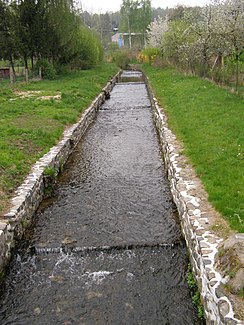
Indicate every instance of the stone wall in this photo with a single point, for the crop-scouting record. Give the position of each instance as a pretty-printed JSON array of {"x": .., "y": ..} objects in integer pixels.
[
  {"x": 197, "y": 218},
  {"x": 30, "y": 194}
]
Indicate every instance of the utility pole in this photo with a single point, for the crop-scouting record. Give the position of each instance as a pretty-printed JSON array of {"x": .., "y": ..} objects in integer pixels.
[{"x": 129, "y": 32}]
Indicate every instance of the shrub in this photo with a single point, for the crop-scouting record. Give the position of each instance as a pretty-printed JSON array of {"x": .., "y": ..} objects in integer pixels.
[
  {"x": 149, "y": 55},
  {"x": 47, "y": 69},
  {"x": 195, "y": 294},
  {"x": 88, "y": 51},
  {"x": 121, "y": 58}
]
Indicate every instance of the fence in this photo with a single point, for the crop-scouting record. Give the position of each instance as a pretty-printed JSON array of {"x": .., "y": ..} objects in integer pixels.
[{"x": 21, "y": 74}]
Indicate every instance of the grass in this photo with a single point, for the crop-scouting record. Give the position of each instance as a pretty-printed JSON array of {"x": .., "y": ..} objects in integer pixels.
[
  {"x": 195, "y": 294},
  {"x": 30, "y": 126},
  {"x": 210, "y": 122}
]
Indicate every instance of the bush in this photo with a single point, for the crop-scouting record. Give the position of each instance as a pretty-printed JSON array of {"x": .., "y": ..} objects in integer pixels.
[
  {"x": 88, "y": 52},
  {"x": 121, "y": 58},
  {"x": 47, "y": 69},
  {"x": 149, "y": 55},
  {"x": 227, "y": 73},
  {"x": 62, "y": 69}
]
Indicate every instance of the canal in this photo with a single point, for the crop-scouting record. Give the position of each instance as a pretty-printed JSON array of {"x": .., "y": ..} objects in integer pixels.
[{"x": 107, "y": 247}]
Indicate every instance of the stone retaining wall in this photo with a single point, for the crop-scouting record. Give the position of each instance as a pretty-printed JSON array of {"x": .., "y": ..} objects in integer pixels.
[
  {"x": 196, "y": 221},
  {"x": 30, "y": 194}
]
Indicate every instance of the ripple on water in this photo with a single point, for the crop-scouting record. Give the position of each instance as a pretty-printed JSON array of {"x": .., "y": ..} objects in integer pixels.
[
  {"x": 114, "y": 192},
  {"x": 141, "y": 286}
]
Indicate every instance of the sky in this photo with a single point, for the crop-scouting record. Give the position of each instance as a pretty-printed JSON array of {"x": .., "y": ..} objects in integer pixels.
[{"x": 102, "y": 6}]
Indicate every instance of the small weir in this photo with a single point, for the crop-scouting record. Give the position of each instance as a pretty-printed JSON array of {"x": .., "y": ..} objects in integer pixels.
[{"x": 107, "y": 249}]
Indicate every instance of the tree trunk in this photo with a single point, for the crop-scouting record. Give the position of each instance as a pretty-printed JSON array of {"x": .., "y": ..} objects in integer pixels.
[
  {"x": 222, "y": 61},
  {"x": 204, "y": 63},
  {"x": 32, "y": 61},
  {"x": 26, "y": 62},
  {"x": 12, "y": 66},
  {"x": 237, "y": 71}
]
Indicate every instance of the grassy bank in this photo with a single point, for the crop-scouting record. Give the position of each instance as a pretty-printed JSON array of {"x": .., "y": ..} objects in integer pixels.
[
  {"x": 210, "y": 122},
  {"x": 33, "y": 118}
]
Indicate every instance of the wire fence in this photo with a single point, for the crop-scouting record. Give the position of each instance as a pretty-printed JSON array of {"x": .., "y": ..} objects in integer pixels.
[{"x": 21, "y": 75}]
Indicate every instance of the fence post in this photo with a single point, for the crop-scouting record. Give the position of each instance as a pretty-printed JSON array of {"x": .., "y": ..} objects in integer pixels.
[
  {"x": 40, "y": 73},
  {"x": 11, "y": 76},
  {"x": 26, "y": 75}
]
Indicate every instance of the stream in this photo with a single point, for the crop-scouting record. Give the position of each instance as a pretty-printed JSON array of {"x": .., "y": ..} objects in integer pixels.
[{"x": 107, "y": 247}]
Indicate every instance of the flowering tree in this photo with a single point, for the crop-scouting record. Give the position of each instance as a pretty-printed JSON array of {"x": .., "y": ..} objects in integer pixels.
[
  {"x": 204, "y": 40},
  {"x": 156, "y": 31},
  {"x": 230, "y": 29}
]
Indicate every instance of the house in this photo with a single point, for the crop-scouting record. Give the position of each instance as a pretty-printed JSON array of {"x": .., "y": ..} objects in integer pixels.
[
  {"x": 4, "y": 73},
  {"x": 117, "y": 38}
]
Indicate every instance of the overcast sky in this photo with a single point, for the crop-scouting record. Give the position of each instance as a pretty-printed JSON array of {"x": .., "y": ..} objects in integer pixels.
[{"x": 101, "y": 6}]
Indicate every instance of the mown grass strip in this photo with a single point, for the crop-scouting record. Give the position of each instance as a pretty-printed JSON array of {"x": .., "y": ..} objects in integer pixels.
[
  {"x": 33, "y": 117},
  {"x": 210, "y": 122}
]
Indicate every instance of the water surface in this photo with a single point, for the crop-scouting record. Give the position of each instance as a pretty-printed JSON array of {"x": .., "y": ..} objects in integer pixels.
[{"x": 108, "y": 249}]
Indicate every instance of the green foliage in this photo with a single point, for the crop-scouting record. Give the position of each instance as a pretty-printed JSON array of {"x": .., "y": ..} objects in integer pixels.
[
  {"x": 47, "y": 69},
  {"x": 196, "y": 298},
  {"x": 8, "y": 39},
  {"x": 88, "y": 51},
  {"x": 198, "y": 39},
  {"x": 219, "y": 74},
  {"x": 241, "y": 293},
  {"x": 50, "y": 172},
  {"x": 226, "y": 74},
  {"x": 209, "y": 121},
  {"x": 113, "y": 47},
  {"x": 136, "y": 15},
  {"x": 121, "y": 59},
  {"x": 149, "y": 55},
  {"x": 46, "y": 31},
  {"x": 49, "y": 177},
  {"x": 176, "y": 43},
  {"x": 191, "y": 280}
]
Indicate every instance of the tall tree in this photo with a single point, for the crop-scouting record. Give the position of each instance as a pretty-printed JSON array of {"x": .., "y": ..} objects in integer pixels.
[
  {"x": 230, "y": 29},
  {"x": 47, "y": 29},
  {"x": 8, "y": 39},
  {"x": 135, "y": 17},
  {"x": 26, "y": 11},
  {"x": 62, "y": 24}
]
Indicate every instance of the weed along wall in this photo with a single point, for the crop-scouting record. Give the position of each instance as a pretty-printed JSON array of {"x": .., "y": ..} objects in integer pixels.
[
  {"x": 30, "y": 194},
  {"x": 196, "y": 221}
]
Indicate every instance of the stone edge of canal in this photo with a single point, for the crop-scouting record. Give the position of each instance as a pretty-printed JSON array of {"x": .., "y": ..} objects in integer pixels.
[{"x": 202, "y": 244}]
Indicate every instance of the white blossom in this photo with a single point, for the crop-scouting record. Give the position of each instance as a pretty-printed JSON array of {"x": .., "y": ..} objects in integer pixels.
[{"x": 156, "y": 31}]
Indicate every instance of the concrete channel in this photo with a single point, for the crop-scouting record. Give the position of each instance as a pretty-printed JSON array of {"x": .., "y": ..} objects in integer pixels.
[{"x": 107, "y": 247}]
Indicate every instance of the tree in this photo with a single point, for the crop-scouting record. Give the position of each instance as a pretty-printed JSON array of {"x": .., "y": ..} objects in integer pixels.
[
  {"x": 62, "y": 24},
  {"x": 201, "y": 33},
  {"x": 156, "y": 31},
  {"x": 26, "y": 19},
  {"x": 135, "y": 17},
  {"x": 47, "y": 31},
  {"x": 177, "y": 12},
  {"x": 101, "y": 23},
  {"x": 8, "y": 39},
  {"x": 176, "y": 43},
  {"x": 230, "y": 29},
  {"x": 87, "y": 51}
]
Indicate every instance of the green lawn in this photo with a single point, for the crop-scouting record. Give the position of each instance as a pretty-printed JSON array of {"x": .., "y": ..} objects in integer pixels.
[
  {"x": 210, "y": 122},
  {"x": 31, "y": 125}
]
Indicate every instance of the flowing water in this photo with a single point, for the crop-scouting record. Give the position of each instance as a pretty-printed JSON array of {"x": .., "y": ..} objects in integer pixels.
[{"x": 107, "y": 248}]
